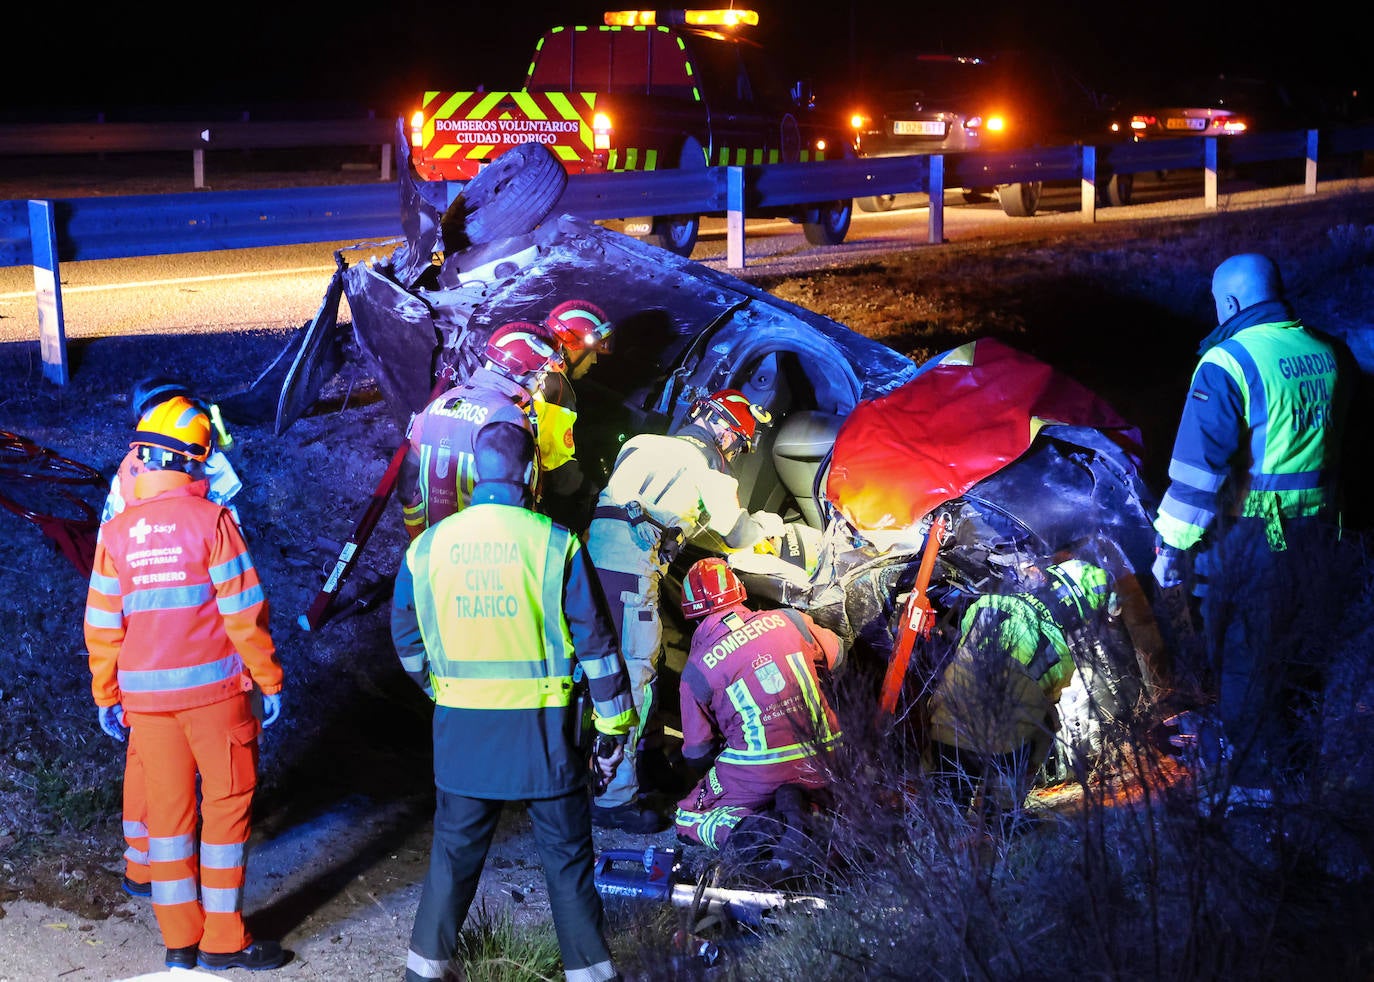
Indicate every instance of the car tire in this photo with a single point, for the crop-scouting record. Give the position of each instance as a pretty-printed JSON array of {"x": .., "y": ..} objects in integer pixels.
[
  {"x": 1021, "y": 199},
  {"x": 676, "y": 233},
  {"x": 1120, "y": 190},
  {"x": 508, "y": 197},
  {"x": 876, "y": 202},
  {"x": 831, "y": 224}
]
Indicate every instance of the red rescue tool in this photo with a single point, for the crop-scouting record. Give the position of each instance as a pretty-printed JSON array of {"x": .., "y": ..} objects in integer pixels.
[{"x": 918, "y": 618}]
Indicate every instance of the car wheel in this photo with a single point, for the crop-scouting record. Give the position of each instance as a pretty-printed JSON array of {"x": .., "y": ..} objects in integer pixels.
[
  {"x": 877, "y": 202},
  {"x": 1020, "y": 200},
  {"x": 832, "y": 223},
  {"x": 1120, "y": 189},
  {"x": 508, "y": 197},
  {"x": 676, "y": 233}
]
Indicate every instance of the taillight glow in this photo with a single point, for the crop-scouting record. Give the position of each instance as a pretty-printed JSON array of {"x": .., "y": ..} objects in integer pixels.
[{"x": 417, "y": 126}]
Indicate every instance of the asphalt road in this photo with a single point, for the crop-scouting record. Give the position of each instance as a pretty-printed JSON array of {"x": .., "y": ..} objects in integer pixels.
[{"x": 281, "y": 287}]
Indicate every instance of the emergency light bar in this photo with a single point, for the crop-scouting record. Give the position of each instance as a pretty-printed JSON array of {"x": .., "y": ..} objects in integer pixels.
[{"x": 688, "y": 18}]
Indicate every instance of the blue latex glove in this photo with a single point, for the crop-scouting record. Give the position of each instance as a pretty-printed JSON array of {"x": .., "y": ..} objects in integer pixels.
[
  {"x": 112, "y": 721},
  {"x": 271, "y": 708},
  {"x": 1168, "y": 567}
]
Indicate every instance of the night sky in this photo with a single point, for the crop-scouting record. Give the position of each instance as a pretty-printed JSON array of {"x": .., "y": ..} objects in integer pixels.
[{"x": 118, "y": 57}]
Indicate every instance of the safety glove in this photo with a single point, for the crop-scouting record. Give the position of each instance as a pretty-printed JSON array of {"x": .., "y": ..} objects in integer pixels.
[
  {"x": 607, "y": 753},
  {"x": 112, "y": 721},
  {"x": 1168, "y": 566},
  {"x": 271, "y": 708}
]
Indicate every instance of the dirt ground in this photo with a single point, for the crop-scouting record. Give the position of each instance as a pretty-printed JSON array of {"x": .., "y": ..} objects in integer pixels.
[{"x": 342, "y": 818}]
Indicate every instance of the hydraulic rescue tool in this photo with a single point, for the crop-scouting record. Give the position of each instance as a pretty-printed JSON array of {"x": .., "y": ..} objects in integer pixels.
[
  {"x": 918, "y": 618},
  {"x": 653, "y": 874}
]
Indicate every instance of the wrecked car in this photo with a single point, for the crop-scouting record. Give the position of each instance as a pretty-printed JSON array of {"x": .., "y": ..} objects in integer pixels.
[{"x": 866, "y": 449}]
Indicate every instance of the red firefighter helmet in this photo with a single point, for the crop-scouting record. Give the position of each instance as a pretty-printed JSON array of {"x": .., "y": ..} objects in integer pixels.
[
  {"x": 521, "y": 349},
  {"x": 710, "y": 585},
  {"x": 733, "y": 408},
  {"x": 580, "y": 325}
]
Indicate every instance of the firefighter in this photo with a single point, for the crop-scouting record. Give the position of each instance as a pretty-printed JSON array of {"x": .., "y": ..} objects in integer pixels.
[
  {"x": 177, "y": 633},
  {"x": 437, "y": 476},
  {"x": 1252, "y": 503},
  {"x": 664, "y": 490},
  {"x": 166, "y": 396},
  {"x": 494, "y": 609},
  {"x": 992, "y": 707},
  {"x": 583, "y": 331},
  {"x": 753, "y": 708}
]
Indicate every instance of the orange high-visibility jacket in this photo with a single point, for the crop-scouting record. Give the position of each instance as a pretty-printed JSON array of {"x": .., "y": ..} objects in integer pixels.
[{"x": 175, "y": 614}]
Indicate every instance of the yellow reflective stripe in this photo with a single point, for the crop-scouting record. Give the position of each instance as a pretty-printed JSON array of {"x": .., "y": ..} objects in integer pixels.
[
  {"x": 566, "y": 153},
  {"x": 503, "y": 694},
  {"x": 482, "y": 109},
  {"x": 529, "y": 105},
  {"x": 815, "y": 703}
]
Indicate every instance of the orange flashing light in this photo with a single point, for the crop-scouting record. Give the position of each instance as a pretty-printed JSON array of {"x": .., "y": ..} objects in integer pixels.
[
  {"x": 692, "y": 18},
  {"x": 601, "y": 132},
  {"x": 417, "y": 126}
]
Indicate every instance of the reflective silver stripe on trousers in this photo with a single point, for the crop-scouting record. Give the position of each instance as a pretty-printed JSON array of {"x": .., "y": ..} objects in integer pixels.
[
  {"x": 167, "y": 893},
  {"x": 426, "y": 968},
  {"x": 600, "y": 972},
  {"x": 221, "y": 900}
]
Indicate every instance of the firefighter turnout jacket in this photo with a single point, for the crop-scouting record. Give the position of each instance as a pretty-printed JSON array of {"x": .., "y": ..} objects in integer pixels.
[
  {"x": 680, "y": 482},
  {"x": 1260, "y": 430},
  {"x": 437, "y": 476},
  {"x": 493, "y": 609},
  {"x": 1006, "y": 675},
  {"x": 752, "y": 702},
  {"x": 175, "y": 614}
]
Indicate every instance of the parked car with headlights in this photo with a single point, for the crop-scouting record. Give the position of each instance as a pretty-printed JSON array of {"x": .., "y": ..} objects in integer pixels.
[
  {"x": 1217, "y": 105},
  {"x": 1233, "y": 106},
  {"x": 930, "y": 103}
]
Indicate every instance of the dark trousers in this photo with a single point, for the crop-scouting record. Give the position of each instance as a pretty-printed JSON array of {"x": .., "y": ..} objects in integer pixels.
[
  {"x": 1259, "y": 612},
  {"x": 463, "y": 830}
]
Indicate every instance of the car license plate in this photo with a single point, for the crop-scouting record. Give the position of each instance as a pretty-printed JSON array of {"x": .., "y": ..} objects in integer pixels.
[
  {"x": 918, "y": 127},
  {"x": 1185, "y": 123}
]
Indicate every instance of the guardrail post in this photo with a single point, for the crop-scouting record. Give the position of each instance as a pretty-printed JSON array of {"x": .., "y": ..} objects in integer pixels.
[
  {"x": 1088, "y": 191},
  {"x": 47, "y": 285},
  {"x": 386, "y": 161},
  {"x": 1311, "y": 184},
  {"x": 734, "y": 217},
  {"x": 935, "y": 190},
  {"x": 1209, "y": 172},
  {"x": 198, "y": 168}
]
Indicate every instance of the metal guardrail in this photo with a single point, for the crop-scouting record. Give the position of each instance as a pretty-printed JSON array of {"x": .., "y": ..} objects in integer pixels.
[
  {"x": 98, "y": 137},
  {"x": 46, "y": 233}
]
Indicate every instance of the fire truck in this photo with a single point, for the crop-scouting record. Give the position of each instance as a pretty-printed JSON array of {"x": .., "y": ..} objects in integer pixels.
[{"x": 645, "y": 90}]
